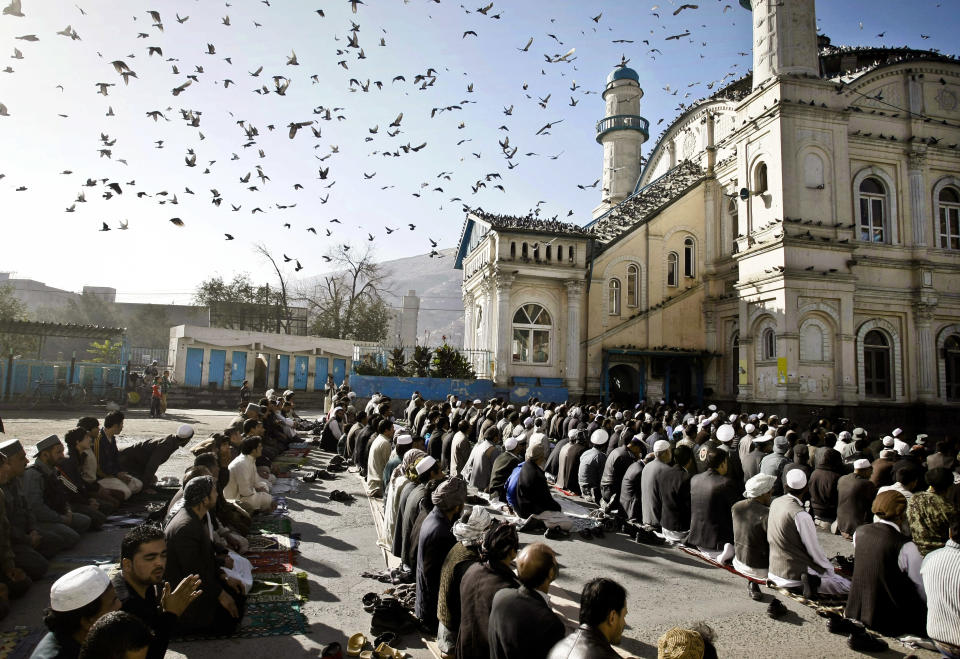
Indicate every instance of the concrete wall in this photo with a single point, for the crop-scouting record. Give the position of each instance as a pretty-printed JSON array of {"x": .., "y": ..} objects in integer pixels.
[{"x": 439, "y": 388}]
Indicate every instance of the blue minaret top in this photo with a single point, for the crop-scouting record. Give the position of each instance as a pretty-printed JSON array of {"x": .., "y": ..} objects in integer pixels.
[{"x": 623, "y": 73}]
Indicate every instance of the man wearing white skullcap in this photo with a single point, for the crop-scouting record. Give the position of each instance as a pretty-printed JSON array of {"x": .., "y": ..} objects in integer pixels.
[
  {"x": 592, "y": 463},
  {"x": 855, "y": 495},
  {"x": 662, "y": 454},
  {"x": 797, "y": 561},
  {"x": 480, "y": 463},
  {"x": 77, "y": 600},
  {"x": 899, "y": 445},
  {"x": 566, "y": 456},
  {"x": 504, "y": 464},
  {"x": 752, "y": 556},
  {"x": 746, "y": 442}
]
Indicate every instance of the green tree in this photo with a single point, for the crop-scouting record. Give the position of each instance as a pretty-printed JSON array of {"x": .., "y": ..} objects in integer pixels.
[
  {"x": 449, "y": 363},
  {"x": 107, "y": 352},
  {"x": 421, "y": 361},
  {"x": 241, "y": 304},
  {"x": 13, "y": 309},
  {"x": 398, "y": 363}
]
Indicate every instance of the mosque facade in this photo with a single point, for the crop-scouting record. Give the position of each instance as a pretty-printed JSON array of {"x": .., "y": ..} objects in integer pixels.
[{"x": 792, "y": 241}]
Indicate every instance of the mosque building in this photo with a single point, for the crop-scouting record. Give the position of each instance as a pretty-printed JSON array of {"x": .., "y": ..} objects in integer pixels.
[{"x": 793, "y": 241}]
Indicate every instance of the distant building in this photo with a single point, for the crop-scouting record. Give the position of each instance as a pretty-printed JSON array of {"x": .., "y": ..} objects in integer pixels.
[
  {"x": 402, "y": 326},
  {"x": 793, "y": 239}
]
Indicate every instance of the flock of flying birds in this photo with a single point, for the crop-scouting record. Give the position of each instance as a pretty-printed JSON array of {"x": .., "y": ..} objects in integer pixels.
[{"x": 281, "y": 75}]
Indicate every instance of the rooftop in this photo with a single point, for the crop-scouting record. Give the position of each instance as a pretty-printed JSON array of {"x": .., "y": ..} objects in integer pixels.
[{"x": 530, "y": 222}]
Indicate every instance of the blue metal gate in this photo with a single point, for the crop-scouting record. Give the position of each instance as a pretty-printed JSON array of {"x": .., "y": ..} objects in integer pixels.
[
  {"x": 301, "y": 364},
  {"x": 193, "y": 374},
  {"x": 339, "y": 370},
  {"x": 238, "y": 368},
  {"x": 283, "y": 375},
  {"x": 218, "y": 361},
  {"x": 320, "y": 373}
]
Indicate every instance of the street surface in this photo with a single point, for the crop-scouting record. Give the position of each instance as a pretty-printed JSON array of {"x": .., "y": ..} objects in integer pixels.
[{"x": 666, "y": 587}]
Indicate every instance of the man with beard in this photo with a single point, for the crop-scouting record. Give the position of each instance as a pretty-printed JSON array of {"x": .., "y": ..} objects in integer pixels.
[{"x": 143, "y": 560}]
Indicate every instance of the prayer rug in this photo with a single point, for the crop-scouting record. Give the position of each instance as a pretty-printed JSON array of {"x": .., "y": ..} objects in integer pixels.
[
  {"x": 285, "y": 485},
  {"x": 268, "y": 542},
  {"x": 272, "y": 524},
  {"x": 279, "y": 587},
  {"x": 273, "y": 561},
  {"x": 728, "y": 568},
  {"x": 63, "y": 564},
  {"x": 300, "y": 445},
  {"x": 19, "y": 642},
  {"x": 262, "y": 619}
]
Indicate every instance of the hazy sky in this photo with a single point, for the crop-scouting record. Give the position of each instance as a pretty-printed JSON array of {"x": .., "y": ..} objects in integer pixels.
[{"x": 156, "y": 261}]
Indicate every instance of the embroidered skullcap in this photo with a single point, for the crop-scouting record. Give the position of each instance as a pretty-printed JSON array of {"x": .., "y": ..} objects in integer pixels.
[
  {"x": 425, "y": 464},
  {"x": 450, "y": 494},
  {"x": 888, "y": 441},
  {"x": 77, "y": 588},
  {"x": 749, "y": 428},
  {"x": 861, "y": 463},
  {"x": 510, "y": 443},
  {"x": 725, "y": 433},
  {"x": 889, "y": 504},
  {"x": 897, "y": 432},
  {"x": 859, "y": 433},
  {"x": 712, "y": 407},
  {"x": 680, "y": 644},
  {"x": 784, "y": 421},
  {"x": 845, "y": 436},
  {"x": 572, "y": 433},
  {"x": 470, "y": 531},
  {"x": 528, "y": 422},
  {"x": 404, "y": 440},
  {"x": 796, "y": 479},
  {"x": 759, "y": 485},
  {"x": 185, "y": 431},
  {"x": 661, "y": 445}
]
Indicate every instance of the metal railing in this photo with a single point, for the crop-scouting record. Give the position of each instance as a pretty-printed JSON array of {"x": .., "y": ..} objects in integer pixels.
[{"x": 623, "y": 122}]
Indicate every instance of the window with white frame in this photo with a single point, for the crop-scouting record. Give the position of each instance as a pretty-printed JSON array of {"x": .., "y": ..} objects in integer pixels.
[
  {"x": 689, "y": 258},
  {"x": 633, "y": 286},
  {"x": 877, "y": 371},
  {"x": 531, "y": 335},
  {"x": 948, "y": 203},
  {"x": 614, "y": 300},
  {"x": 873, "y": 211},
  {"x": 733, "y": 211},
  {"x": 673, "y": 266},
  {"x": 760, "y": 179},
  {"x": 768, "y": 343}
]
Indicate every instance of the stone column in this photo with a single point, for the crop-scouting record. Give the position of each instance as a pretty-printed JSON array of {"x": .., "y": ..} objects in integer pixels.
[
  {"x": 572, "y": 338},
  {"x": 918, "y": 198},
  {"x": 468, "y": 333},
  {"x": 503, "y": 333},
  {"x": 710, "y": 375},
  {"x": 926, "y": 353}
]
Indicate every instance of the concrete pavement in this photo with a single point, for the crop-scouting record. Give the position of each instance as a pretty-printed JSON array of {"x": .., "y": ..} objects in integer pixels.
[{"x": 666, "y": 587}]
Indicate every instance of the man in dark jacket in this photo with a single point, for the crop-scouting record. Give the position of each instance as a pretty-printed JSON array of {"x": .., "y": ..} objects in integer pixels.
[
  {"x": 886, "y": 591},
  {"x": 603, "y": 615},
  {"x": 672, "y": 494},
  {"x": 504, "y": 464},
  {"x": 823, "y": 488},
  {"x": 521, "y": 621},
  {"x": 618, "y": 461},
  {"x": 712, "y": 495},
  {"x": 533, "y": 493},
  {"x": 855, "y": 495},
  {"x": 630, "y": 492},
  {"x": 662, "y": 454},
  {"x": 190, "y": 552},
  {"x": 144, "y": 593},
  {"x": 436, "y": 540}
]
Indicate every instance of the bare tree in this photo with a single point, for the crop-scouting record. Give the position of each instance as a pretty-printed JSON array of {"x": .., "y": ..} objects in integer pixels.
[
  {"x": 349, "y": 302},
  {"x": 283, "y": 308}
]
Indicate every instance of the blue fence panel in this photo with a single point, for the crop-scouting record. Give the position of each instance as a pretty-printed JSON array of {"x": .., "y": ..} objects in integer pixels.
[
  {"x": 193, "y": 374},
  {"x": 283, "y": 375},
  {"x": 300, "y": 368},
  {"x": 339, "y": 370}
]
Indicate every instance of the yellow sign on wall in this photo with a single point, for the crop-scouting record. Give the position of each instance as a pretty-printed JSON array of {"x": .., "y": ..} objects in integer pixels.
[
  {"x": 743, "y": 372},
  {"x": 781, "y": 370}
]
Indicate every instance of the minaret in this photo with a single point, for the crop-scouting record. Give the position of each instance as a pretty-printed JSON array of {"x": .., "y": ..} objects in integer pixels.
[
  {"x": 622, "y": 132},
  {"x": 784, "y": 38}
]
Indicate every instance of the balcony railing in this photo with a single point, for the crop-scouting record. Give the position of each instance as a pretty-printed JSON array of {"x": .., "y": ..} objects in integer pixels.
[{"x": 623, "y": 122}]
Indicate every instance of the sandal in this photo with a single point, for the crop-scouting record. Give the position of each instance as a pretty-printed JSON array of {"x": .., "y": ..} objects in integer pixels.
[
  {"x": 386, "y": 638},
  {"x": 355, "y": 645},
  {"x": 388, "y": 652},
  {"x": 370, "y": 602}
]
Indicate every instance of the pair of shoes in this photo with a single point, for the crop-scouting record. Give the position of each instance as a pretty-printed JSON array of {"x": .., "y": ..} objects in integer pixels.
[
  {"x": 387, "y": 652},
  {"x": 845, "y": 563},
  {"x": 384, "y": 638},
  {"x": 532, "y": 525},
  {"x": 370, "y": 602},
  {"x": 356, "y": 644},
  {"x": 755, "y": 593},
  {"x": 556, "y": 533},
  {"x": 648, "y": 537},
  {"x": 310, "y": 479},
  {"x": 341, "y": 496},
  {"x": 390, "y": 616},
  {"x": 837, "y": 624},
  {"x": 337, "y": 460},
  {"x": 586, "y": 534},
  {"x": 861, "y": 641},
  {"x": 776, "y": 609}
]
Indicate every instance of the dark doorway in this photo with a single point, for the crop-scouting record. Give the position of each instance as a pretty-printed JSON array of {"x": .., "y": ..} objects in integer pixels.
[
  {"x": 260, "y": 373},
  {"x": 678, "y": 386},
  {"x": 624, "y": 385}
]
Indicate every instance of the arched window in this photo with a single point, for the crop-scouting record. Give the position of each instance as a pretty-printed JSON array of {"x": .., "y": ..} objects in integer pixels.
[
  {"x": 549, "y": 255},
  {"x": 513, "y": 250},
  {"x": 614, "y": 299},
  {"x": 536, "y": 251},
  {"x": 571, "y": 253},
  {"x": 811, "y": 343},
  {"x": 769, "y": 344},
  {"x": 531, "y": 335},
  {"x": 813, "y": 171},
  {"x": 760, "y": 179},
  {"x": 735, "y": 364},
  {"x": 523, "y": 250},
  {"x": 560, "y": 252},
  {"x": 949, "y": 227},
  {"x": 951, "y": 357},
  {"x": 733, "y": 211},
  {"x": 633, "y": 286},
  {"x": 672, "y": 268},
  {"x": 689, "y": 258},
  {"x": 873, "y": 211},
  {"x": 876, "y": 365}
]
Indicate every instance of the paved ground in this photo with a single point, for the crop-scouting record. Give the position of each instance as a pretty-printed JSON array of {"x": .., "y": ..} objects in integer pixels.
[{"x": 666, "y": 587}]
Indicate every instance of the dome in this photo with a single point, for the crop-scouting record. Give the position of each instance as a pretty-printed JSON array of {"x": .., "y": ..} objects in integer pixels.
[{"x": 623, "y": 73}]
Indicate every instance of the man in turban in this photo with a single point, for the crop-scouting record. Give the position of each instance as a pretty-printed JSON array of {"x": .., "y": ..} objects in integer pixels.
[
  {"x": 887, "y": 591},
  {"x": 436, "y": 540},
  {"x": 752, "y": 555}
]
